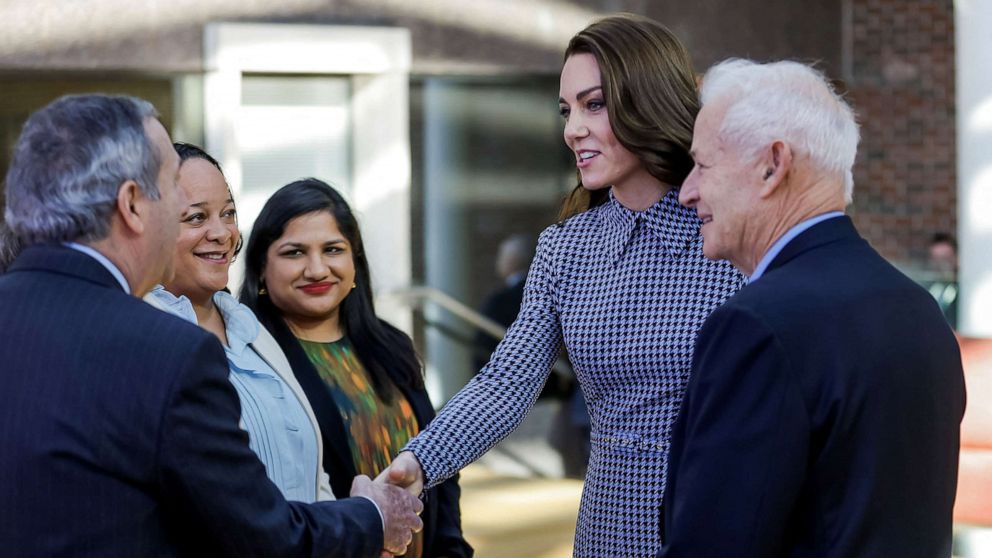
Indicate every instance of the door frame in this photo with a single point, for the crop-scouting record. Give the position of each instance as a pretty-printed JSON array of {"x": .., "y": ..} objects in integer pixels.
[{"x": 377, "y": 61}]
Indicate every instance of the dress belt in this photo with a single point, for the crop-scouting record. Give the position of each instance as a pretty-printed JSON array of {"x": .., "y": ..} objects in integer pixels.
[{"x": 630, "y": 443}]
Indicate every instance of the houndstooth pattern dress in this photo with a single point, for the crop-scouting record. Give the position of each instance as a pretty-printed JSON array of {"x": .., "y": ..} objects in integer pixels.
[{"x": 627, "y": 292}]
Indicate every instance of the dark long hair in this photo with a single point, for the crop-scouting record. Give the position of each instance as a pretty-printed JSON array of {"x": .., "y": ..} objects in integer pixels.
[
  {"x": 651, "y": 97},
  {"x": 386, "y": 352}
]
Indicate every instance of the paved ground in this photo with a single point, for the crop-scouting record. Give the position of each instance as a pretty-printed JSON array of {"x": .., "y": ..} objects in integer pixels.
[
  {"x": 506, "y": 517},
  {"x": 510, "y": 517}
]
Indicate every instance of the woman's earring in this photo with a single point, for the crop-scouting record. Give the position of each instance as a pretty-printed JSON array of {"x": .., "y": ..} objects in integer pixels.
[
  {"x": 353, "y": 285},
  {"x": 262, "y": 291}
]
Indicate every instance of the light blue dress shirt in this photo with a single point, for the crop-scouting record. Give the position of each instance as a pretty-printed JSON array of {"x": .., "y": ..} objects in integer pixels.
[
  {"x": 279, "y": 430},
  {"x": 786, "y": 238}
]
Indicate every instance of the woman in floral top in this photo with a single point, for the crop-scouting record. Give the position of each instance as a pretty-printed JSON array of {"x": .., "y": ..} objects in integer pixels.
[{"x": 307, "y": 279}]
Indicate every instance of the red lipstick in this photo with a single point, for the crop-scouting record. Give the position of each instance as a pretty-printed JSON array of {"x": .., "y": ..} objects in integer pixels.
[{"x": 317, "y": 288}]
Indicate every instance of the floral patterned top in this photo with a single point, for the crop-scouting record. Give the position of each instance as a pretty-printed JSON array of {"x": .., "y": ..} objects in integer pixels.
[{"x": 377, "y": 430}]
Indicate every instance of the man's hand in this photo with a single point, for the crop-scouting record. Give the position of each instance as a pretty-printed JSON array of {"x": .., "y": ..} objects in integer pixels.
[
  {"x": 400, "y": 512},
  {"x": 404, "y": 472}
]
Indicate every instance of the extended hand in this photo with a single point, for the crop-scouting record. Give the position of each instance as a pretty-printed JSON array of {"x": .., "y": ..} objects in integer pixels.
[
  {"x": 400, "y": 512},
  {"x": 404, "y": 472}
]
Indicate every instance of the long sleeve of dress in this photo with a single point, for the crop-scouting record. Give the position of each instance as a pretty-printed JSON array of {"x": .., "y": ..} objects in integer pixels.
[{"x": 495, "y": 401}]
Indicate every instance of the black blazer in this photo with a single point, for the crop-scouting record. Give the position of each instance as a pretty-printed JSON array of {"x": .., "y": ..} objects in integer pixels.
[
  {"x": 119, "y": 433},
  {"x": 441, "y": 515},
  {"x": 822, "y": 417}
]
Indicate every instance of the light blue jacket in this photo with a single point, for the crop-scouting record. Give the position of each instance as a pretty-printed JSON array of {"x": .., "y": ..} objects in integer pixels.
[{"x": 261, "y": 375}]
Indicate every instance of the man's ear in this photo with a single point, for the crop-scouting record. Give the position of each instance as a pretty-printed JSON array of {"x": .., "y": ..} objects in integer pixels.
[
  {"x": 774, "y": 164},
  {"x": 130, "y": 206}
]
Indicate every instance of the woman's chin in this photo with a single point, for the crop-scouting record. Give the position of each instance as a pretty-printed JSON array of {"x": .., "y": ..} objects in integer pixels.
[{"x": 594, "y": 186}]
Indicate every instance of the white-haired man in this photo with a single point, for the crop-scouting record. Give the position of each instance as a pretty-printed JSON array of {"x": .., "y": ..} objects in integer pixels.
[
  {"x": 823, "y": 413},
  {"x": 119, "y": 428}
]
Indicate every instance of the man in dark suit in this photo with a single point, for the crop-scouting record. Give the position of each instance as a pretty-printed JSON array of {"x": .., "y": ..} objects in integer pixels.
[
  {"x": 119, "y": 428},
  {"x": 823, "y": 413},
  {"x": 503, "y": 304}
]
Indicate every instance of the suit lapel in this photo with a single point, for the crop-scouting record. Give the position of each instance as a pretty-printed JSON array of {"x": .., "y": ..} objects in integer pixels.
[
  {"x": 826, "y": 232},
  {"x": 58, "y": 259}
]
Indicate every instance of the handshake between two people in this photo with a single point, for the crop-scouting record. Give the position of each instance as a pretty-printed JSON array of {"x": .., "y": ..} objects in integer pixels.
[{"x": 397, "y": 493}]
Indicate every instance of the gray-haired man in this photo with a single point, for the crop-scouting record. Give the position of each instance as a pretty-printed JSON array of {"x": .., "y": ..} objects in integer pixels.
[
  {"x": 823, "y": 413},
  {"x": 119, "y": 427}
]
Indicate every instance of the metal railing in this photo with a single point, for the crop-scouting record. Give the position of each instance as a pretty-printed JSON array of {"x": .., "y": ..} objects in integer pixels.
[{"x": 419, "y": 297}]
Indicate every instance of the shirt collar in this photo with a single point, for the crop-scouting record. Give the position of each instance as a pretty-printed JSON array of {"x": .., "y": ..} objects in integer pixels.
[
  {"x": 779, "y": 244},
  {"x": 178, "y": 305},
  {"x": 104, "y": 261},
  {"x": 239, "y": 323},
  {"x": 672, "y": 223}
]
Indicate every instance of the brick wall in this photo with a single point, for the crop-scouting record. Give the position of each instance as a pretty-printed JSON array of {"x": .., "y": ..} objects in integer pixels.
[{"x": 900, "y": 77}]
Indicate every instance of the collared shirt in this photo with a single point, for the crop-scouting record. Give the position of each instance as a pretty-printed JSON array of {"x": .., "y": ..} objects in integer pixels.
[
  {"x": 104, "y": 261},
  {"x": 279, "y": 430},
  {"x": 779, "y": 244}
]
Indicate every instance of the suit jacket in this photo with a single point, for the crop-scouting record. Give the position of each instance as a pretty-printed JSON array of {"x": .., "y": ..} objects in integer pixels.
[
  {"x": 270, "y": 352},
  {"x": 120, "y": 433},
  {"x": 442, "y": 514},
  {"x": 823, "y": 414}
]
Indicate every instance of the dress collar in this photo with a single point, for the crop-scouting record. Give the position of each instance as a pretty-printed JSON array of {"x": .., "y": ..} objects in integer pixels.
[{"x": 672, "y": 223}]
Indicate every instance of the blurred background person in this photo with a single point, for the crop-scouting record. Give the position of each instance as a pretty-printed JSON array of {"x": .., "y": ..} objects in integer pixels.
[
  {"x": 621, "y": 280},
  {"x": 281, "y": 426},
  {"x": 501, "y": 306},
  {"x": 943, "y": 255},
  {"x": 569, "y": 430},
  {"x": 307, "y": 279},
  {"x": 941, "y": 277}
]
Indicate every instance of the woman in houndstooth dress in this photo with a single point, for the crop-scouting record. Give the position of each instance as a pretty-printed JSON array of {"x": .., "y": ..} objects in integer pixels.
[{"x": 623, "y": 283}]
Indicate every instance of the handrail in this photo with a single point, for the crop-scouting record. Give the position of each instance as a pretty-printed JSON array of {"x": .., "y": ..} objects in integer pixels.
[
  {"x": 420, "y": 296},
  {"x": 416, "y": 297}
]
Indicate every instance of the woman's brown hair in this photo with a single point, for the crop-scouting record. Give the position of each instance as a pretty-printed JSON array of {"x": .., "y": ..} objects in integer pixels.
[{"x": 651, "y": 98}]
